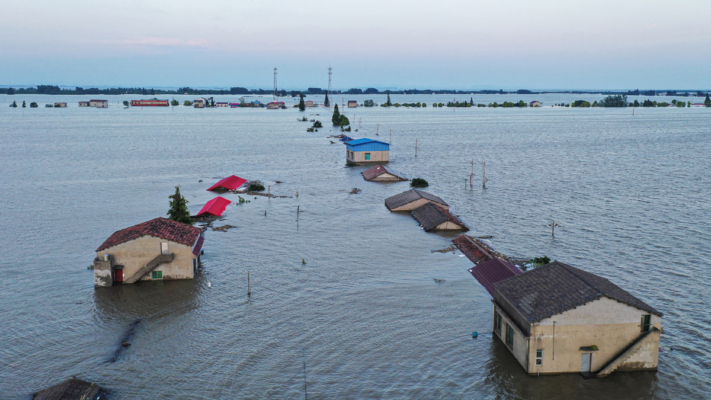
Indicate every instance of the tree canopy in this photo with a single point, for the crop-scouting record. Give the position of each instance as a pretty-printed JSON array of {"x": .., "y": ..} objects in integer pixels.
[
  {"x": 178, "y": 210},
  {"x": 302, "y": 105}
]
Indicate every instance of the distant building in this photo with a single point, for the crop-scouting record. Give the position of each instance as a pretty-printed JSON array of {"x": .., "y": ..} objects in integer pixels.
[
  {"x": 234, "y": 105},
  {"x": 222, "y": 104},
  {"x": 232, "y": 182},
  {"x": 559, "y": 319},
  {"x": 60, "y": 105},
  {"x": 352, "y": 104},
  {"x": 275, "y": 105},
  {"x": 200, "y": 103},
  {"x": 214, "y": 207},
  {"x": 99, "y": 103},
  {"x": 150, "y": 103},
  {"x": 435, "y": 218},
  {"x": 83, "y": 104},
  {"x": 159, "y": 249},
  {"x": 367, "y": 150},
  {"x": 380, "y": 173},
  {"x": 412, "y": 199},
  {"x": 534, "y": 103},
  {"x": 309, "y": 103}
]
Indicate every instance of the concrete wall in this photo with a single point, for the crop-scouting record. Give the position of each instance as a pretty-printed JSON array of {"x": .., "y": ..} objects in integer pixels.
[
  {"x": 448, "y": 226},
  {"x": 608, "y": 324},
  {"x": 520, "y": 340},
  {"x": 375, "y": 156},
  {"x": 417, "y": 204},
  {"x": 103, "y": 274},
  {"x": 135, "y": 254}
]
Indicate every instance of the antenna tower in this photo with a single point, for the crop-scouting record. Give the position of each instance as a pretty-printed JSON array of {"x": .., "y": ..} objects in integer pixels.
[{"x": 275, "y": 83}]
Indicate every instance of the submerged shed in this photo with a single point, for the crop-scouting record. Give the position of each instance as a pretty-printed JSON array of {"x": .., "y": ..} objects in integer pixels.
[
  {"x": 214, "y": 207},
  {"x": 435, "y": 218},
  {"x": 412, "y": 199},
  {"x": 72, "y": 389},
  {"x": 381, "y": 173},
  {"x": 232, "y": 182}
]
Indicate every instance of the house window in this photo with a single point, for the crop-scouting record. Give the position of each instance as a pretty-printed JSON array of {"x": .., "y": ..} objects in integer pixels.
[
  {"x": 646, "y": 322},
  {"x": 157, "y": 274},
  {"x": 539, "y": 357},
  {"x": 367, "y": 156},
  {"x": 497, "y": 323},
  {"x": 509, "y": 336}
]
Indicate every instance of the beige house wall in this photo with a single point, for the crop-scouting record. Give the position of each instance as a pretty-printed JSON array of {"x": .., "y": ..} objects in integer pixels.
[
  {"x": 448, "y": 226},
  {"x": 375, "y": 156},
  {"x": 417, "y": 204},
  {"x": 605, "y": 323},
  {"x": 520, "y": 347},
  {"x": 135, "y": 254},
  {"x": 385, "y": 177}
]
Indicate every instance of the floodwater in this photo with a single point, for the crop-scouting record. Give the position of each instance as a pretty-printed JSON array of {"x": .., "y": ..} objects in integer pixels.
[{"x": 363, "y": 318}]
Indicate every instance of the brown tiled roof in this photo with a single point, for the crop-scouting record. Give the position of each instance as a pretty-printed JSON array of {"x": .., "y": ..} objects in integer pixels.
[
  {"x": 408, "y": 197},
  {"x": 556, "y": 287},
  {"x": 378, "y": 170},
  {"x": 430, "y": 216},
  {"x": 160, "y": 227}
]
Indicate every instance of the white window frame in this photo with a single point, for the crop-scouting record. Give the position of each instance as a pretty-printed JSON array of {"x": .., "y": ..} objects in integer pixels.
[{"x": 539, "y": 360}]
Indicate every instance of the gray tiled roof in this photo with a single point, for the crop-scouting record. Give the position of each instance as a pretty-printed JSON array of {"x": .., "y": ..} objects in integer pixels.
[
  {"x": 556, "y": 287},
  {"x": 411, "y": 195},
  {"x": 430, "y": 216}
]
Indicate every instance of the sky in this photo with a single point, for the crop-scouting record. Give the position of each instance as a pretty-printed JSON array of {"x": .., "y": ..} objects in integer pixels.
[{"x": 453, "y": 44}]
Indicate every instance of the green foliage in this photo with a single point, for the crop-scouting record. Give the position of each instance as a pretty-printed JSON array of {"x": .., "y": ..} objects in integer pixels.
[
  {"x": 649, "y": 103},
  {"x": 419, "y": 183},
  {"x": 187, "y": 103},
  {"x": 24, "y": 104},
  {"x": 423, "y": 104},
  {"x": 344, "y": 121},
  {"x": 581, "y": 103},
  {"x": 11, "y": 91},
  {"x": 538, "y": 261},
  {"x": 326, "y": 102},
  {"x": 242, "y": 200},
  {"x": 707, "y": 102},
  {"x": 368, "y": 103},
  {"x": 635, "y": 104},
  {"x": 614, "y": 101},
  {"x": 174, "y": 103},
  {"x": 256, "y": 187},
  {"x": 318, "y": 124},
  {"x": 302, "y": 105},
  {"x": 125, "y": 103},
  {"x": 440, "y": 105},
  {"x": 14, "y": 104},
  {"x": 33, "y": 105},
  {"x": 178, "y": 210},
  {"x": 336, "y": 118},
  {"x": 680, "y": 104},
  {"x": 389, "y": 103}
]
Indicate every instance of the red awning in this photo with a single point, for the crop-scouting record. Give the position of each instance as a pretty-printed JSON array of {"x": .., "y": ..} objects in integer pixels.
[
  {"x": 229, "y": 183},
  {"x": 215, "y": 206}
]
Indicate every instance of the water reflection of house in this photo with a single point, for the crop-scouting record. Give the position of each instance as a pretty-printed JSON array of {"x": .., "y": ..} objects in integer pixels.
[
  {"x": 159, "y": 249},
  {"x": 367, "y": 150},
  {"x": 560, "y": 319}
]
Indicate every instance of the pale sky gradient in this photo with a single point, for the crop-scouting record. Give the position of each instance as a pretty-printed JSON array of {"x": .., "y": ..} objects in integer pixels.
[{"x": 509, "y": 44}]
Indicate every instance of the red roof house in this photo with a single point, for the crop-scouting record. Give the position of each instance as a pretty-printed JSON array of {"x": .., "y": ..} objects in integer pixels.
[
  {"x": 215, "y": 207},
  {"x": 160, "y": 227},
  {"x": 230, "y": 183}
]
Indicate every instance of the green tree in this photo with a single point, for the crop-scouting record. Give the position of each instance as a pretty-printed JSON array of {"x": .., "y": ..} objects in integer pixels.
[
  {"x": 326, "y": 102},
  {"x": 187, "y": 103},
  {"x": 33, "y": 105},
  {"x": 302, "y": 105},
  {"x": 179, "y": 208},
  {"x": 11, "y": 91},
  {"x": 14, "y": 104},
  {"x": 125, "y": 103},
  {"x": 336, "y": 118},
  {"x": 344, "y": 121},
  {"x": 24, "y": 105},
  {"x": 174, "y": 103},
  {"x": 389, "y": 103},
  {"x": 707, "y": 102},
  {"x": 471, "y": 101}
]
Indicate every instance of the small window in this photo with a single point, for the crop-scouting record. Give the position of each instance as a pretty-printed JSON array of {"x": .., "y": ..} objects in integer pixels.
[
  {"x": 509, "y": 336},
  {"x": 646, "y": 322},
  {"x": 367, "y": 156},
  {"x": 157, "y": 275},
  {"x": 539, "y": 357},
  {"x": 497, "y": 322}
]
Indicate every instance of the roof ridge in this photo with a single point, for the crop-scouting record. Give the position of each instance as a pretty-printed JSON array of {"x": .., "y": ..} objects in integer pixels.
[{"x": 567, "y": 268}]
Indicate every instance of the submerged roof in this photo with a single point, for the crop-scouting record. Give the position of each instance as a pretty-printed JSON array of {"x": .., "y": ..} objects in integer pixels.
[
  {"x": 71, "y": 389},
  {"x": 357, "y": 142},
  {"x": 556, "y": 287},
  {"x": 159, "y": 227},
  {"x": 215, "y": 206},
  {"x": 411, "y": 195},
  {"x": 431, "y": 216},
  {"x": 378, "y": 170},
  {"x": 232, "y": 182},
  {"x": 475, "y": 250},
  {"x": 492, "y": 271}
]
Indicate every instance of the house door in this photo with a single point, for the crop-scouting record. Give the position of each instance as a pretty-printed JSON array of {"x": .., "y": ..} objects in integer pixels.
[
  {"x": 164, "y": 248},
  {"x": 585, "y": 364},
  {"x": 118, "y": 275}
]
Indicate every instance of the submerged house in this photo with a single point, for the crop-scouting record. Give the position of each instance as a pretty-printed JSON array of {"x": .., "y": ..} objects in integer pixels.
[
  {"x": 367, "y": 150},
  {"x": 275, "y": 105},
  {"x": 560, "y": 319},
  {"x": 99, "y": 103},
  {"x": 380, "y": 173},
  {"x": 534, "y": 103},
  {"x": 352, "y": 104},
  {"x": 232, "y": 182},
  {"x": 214, "y": 207},
  {"x": 159, "y": 249},
  {"x": 83, "y": 104},
  {"x": 200, "y": 103},
  {"x": 72, "y": 389},
  {"x": 60, "y": 105},
  {"x": 435, "y": 218},
  {"x": 412, "y": 199},
  {"x": 309, "y": 103}
]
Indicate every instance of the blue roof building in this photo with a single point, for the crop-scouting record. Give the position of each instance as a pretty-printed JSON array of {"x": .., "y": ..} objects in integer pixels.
[{"x": 367, "y": 150}]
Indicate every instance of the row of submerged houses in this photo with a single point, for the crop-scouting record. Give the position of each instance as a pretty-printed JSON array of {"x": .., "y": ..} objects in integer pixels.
[
  {"x": 159, "y": 249},
  {"x": 553, "y": 319}
]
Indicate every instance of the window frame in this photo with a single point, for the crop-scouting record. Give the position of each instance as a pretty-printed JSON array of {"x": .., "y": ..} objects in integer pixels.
[
  {"x": 497, "y": 323},
  {"x": 156, "y": 274},
  {"x": 646, "y": 324},
  {"x": 539, "y": 357},
  {"x": 367, "y": 156},
  {"x": 509, "y": 335}
]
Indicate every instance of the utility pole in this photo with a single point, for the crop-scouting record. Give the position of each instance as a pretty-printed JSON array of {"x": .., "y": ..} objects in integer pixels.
[
  {"x": 415, "y": 147},
  {"x": 249, "y": 286},
  {"x": 483, "y": 179},
  {"x": 391, "y": 137},
  {"x": 554, "y": 225},
  {"x": 471, "y": 176},
  {"x": 275, "y": 83},
  {"x": 330, "y": 96}
]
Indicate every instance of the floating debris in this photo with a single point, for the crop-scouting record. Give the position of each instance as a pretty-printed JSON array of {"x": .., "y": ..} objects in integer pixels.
[
  {"x": 223, "y": 228},
  {"x": 355, "y": 191},
  {"x": 485, "y": 237},
  {"x": 303, "y": 261},
  {"x": 452, "y": 249},
  {"x": 72, "y": 389},
  {"x": 439, "y": 280}
]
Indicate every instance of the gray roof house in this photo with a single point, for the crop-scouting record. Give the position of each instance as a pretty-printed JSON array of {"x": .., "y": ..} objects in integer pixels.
[
  {"x": 412, "y": 199},
  {"x": 433, "y": 217}
]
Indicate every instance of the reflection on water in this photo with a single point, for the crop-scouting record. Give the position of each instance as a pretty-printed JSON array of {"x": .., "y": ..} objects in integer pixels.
[{"x": 364, "y": 313}]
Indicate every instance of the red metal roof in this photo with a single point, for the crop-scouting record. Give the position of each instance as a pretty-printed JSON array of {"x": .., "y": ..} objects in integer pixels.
[
  {"x": 215, "y": 206},
  {"x": 475, "y": 250},
  {"x": 229, "y": 183},
  {"x": 160, "y": 227},
  {"x": 492, "y": 271}
]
